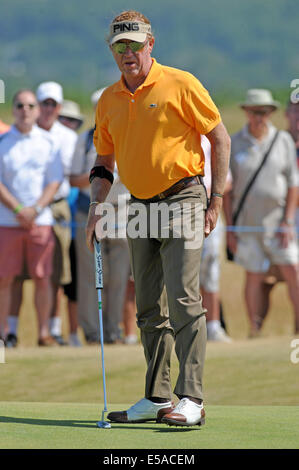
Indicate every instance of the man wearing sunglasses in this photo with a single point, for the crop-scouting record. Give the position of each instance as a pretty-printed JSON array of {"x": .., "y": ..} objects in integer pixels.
[
  {"x": 268, "y": 213},
  {"x": 151, "y": 122},
  {"x": 50, "y": 98},
  {"x": 30, "y": 174}
]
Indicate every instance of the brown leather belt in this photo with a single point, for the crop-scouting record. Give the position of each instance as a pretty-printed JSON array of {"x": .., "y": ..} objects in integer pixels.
[
  {"x": 174, "y": 189},
  {"x": 58, "y": 200}
]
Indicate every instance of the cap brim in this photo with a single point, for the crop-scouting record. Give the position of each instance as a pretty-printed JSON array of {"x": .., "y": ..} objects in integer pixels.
[
  {"x": 42, "y": 98},
  {"x": 274, "y": 105},
  {"x": 132, "y": 36},
  {"x": 71, "y": 116}
]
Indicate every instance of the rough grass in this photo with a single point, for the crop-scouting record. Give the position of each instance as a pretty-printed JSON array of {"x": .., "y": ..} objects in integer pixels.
[
  {"x": 255, "y": 372},
  {"x": 280, "y": 320}
]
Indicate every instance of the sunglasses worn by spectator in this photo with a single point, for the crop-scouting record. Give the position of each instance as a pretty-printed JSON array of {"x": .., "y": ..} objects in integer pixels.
[
  {"x": 51, "y": 104},
  {"x": 65, "y": 118},
  {"x": 121, "y": 47},
  {"x": 260, "y": 112},
  {"x": 22, "y": 105},
  {"x": 73, "y": 121}
]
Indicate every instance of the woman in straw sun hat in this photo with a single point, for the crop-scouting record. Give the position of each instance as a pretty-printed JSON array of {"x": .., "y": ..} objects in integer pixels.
[{"x": 269, "y": 207}]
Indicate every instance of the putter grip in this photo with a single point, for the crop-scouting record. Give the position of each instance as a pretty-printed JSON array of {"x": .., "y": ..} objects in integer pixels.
[{"x": 98, "y": 265}]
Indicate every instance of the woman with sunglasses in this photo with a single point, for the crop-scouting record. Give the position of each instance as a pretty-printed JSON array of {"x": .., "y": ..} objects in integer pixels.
[{"x": 266, "y": 236}]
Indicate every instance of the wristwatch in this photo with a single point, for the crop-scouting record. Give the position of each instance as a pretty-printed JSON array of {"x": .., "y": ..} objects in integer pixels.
[{"x": 38, "y": 209}]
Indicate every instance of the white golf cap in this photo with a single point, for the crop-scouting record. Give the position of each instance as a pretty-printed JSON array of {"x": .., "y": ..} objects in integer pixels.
[
  {"x": 259, "y": 97},
  {"x": 49, "y": 90},
  {"x": 133, "y": 30},
  {"x": 96, "y": 96}
]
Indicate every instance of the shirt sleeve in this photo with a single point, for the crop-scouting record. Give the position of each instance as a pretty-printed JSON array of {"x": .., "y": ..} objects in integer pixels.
[
  {"x": 101, "y": 138},
  {"x": 79, "y": 156},
  {"x": 67, "y": 152},
  {"x": 54, "y": 171},
  {"x": 2, "y": 152},
  {"x": 199, "y": 108},
  {"x": 1, "y": 169},
  {"x": 291, "y": 170}
]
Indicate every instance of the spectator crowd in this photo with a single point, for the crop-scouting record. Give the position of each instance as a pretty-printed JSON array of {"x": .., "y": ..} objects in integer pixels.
[{"x": 45, "y": 162}]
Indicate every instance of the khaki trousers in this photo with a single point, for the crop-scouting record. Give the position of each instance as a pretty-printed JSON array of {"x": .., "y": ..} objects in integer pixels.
[
  {"x": 169, "y": 305},
  {"x": 61, "y": 259}
]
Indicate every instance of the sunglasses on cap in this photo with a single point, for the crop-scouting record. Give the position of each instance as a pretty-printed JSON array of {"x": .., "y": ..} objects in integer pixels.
[
  {"x": 22, "y": 105},
  {"x": 121, "y": 47}
]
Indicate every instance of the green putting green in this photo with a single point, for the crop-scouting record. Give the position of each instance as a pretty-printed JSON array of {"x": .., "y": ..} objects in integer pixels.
[{"x": 73, "y": 426}]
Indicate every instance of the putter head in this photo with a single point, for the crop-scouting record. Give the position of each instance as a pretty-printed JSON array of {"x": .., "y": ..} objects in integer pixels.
[{"x": 103, "y": 425}]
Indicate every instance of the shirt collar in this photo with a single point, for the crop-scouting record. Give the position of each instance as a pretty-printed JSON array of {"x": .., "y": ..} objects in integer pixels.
[
  {"x": 15, "y": 131},
  {"x": 152, "y": 77}
]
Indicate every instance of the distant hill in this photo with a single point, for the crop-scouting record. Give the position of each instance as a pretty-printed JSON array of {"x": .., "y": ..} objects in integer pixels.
[{"x": 229, "y": 45}]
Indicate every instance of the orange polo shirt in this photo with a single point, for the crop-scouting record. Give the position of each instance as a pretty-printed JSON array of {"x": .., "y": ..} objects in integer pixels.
[{"x": 154, "y": 133}]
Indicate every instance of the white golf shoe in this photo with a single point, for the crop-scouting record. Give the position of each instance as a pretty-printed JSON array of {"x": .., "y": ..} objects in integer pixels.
[
  {"x": 186, "y": 413},
  {"x": 144, "y": 410},
  {"x": 218, "y": 334}
]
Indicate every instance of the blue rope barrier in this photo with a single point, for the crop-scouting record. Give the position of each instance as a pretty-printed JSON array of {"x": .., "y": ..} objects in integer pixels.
[{"x": 228, "y": 228}]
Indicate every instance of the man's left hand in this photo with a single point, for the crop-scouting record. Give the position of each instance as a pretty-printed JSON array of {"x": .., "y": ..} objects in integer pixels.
[
  {"x": 26, "y": 217},
  {"x": 286, "y": 234},
  {"x": 212, "y": 214}
]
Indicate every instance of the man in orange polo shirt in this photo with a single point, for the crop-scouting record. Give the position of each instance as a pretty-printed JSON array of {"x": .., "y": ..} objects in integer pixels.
[{"x": 150, "y": 122}]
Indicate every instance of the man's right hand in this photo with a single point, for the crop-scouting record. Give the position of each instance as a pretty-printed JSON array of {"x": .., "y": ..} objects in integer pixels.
[
  {"x": 91, "y": 223},
  {"x": 26, "y": 217}
]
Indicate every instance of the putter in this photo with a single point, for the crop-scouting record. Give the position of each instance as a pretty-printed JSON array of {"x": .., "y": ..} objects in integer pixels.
[{"x": 99, "y": 286}]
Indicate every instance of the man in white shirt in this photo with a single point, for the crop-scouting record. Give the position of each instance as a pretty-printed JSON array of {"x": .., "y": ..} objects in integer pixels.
[
  {"x": 30, "y": 174},
  {"x": 116, "y": 260},
  {"x": 50, "y": 98}
]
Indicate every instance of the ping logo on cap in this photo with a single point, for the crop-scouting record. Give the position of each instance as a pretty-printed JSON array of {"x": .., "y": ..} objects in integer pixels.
[
  {"x": 123, "y": 27},
  {"x": 128, "y": 28}
]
